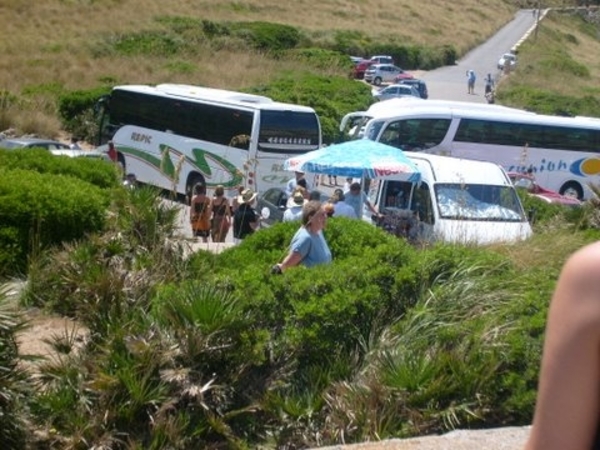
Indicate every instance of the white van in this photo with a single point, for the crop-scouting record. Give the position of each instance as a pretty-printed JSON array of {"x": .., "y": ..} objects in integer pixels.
[{"x": 457, "y": 200}]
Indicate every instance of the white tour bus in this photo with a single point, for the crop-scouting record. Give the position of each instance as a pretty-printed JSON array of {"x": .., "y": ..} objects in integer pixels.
[
  {"x": 563, "y": 152},
  {"x": 174, "y": 136}
]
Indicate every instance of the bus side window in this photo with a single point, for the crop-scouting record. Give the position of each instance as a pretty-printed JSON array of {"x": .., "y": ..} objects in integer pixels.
[{"x": 421, "y": 203}]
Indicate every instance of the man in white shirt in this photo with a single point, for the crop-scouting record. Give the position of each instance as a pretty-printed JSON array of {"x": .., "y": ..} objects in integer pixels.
[
  {"x": 291, "y": 185},
  {"x": 294, "y": 206}
]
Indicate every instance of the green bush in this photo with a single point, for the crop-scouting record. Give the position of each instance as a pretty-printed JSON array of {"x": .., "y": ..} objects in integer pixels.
[
  {"x": 547, "y": 102},
  {"x": 91, "y": 170},
  {"x": 150, "y": 43},
  {"x": 266, "y": 36},
  {"x": 322, "y": 59},
  {"x": 76, "y": 111},
  {"x": 40, "y": 210}
]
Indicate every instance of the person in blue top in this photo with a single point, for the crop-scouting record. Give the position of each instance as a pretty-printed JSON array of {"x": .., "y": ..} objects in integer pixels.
[
  {"x": 356, "y": 197},
  {"x": 471, "y": 77},
  {"x": 308, "y": 246}
]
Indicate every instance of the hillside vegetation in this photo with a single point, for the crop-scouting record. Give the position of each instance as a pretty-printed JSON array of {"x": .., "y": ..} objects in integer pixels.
[
  {"x": 212, "y": 351},
  {"x": 54, "y": 47}
]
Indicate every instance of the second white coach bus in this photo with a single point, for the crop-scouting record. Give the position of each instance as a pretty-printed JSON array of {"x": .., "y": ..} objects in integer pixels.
[
  {"x": 174, "y": 136},
  {"x": 562, "y": 152}
]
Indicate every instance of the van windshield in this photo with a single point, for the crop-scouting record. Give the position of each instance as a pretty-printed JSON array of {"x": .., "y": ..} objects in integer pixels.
[{"x": 478, "y": 202}]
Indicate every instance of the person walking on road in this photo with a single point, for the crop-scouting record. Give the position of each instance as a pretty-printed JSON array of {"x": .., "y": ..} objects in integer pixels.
[{"x": 471, "y": 77}]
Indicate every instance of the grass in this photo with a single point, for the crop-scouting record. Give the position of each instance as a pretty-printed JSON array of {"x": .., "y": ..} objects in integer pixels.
[
  {"x": 559, "y": 69},
  {"x": 71, "y": 43}
]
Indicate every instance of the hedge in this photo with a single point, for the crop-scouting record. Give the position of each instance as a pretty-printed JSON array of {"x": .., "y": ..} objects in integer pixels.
[{"x": 38, "y": 210}]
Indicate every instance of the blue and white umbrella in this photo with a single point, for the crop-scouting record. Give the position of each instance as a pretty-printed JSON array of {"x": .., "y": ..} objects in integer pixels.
[{"x": 362, "y": 158}]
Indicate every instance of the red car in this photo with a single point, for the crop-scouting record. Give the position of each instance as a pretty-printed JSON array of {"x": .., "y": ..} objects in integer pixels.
[
  {"x": 403, "y": 76},
  {"x": 527, "y": 181},
  {"x": 359, "y": 69}
]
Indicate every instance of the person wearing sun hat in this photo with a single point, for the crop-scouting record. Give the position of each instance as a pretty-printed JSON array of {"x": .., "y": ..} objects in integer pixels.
[
  {"x": 294, "y": 206},
  {"x": 245, "y": 218}
]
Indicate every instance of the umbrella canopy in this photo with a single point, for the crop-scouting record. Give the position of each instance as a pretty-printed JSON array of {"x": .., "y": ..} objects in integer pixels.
[{"x": 362, "y": 158}]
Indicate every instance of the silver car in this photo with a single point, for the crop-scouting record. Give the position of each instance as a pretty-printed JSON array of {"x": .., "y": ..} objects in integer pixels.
[
  {"x": 396, "y": 91},
  {"x": 507, "y": 60},
  {"x": 48, "y": 144},
  {"x": 382, "y": 73}
]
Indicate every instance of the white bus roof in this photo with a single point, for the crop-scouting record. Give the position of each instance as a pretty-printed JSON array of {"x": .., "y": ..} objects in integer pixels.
[
  {"x": 221, "y": 96},
  {"x": 394, "y": 106},
  {"x": 439, "y": 108}
]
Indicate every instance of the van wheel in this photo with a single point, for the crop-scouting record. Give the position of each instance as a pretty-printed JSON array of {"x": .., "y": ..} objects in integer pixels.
[
  {"x": 573, "y": 189},
  {"x": 377, "y": 81}
]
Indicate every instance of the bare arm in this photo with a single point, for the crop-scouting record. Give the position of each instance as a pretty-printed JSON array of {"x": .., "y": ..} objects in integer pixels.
[
  {"x": 568, "y": 407},
  {"x": 292, "y": 259}
]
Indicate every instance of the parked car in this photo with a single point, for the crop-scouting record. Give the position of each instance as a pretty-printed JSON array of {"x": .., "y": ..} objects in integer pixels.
[
  {"x": 47, "y": 144},
  {"x": 396, "y": 91},
  {"x": 275, "y": 200},
  {"x": 527, "y": 181},
  {"x": 358, "y": 72},
  {"x": 403, "y": 75},
  {"x": 382, "y": 59},
  {"x": 420, "y": 85},
  {"x": 509, "y": 58},
  {"x": 72, "y": 153},
  {"x": 382, "y": 73},
  {"x": 356, "y": 59}
]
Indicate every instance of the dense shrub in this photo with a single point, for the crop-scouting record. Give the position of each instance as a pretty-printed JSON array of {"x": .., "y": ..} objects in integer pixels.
[
  {"x": 76, "y": 111},
  {"x": 90, "y": 170},
  {"x": 267, "y": 36},
  {"x": 322, "y": 59},
  {"x": 39, "y": 210},
  {"x": 150, "y": 43}
]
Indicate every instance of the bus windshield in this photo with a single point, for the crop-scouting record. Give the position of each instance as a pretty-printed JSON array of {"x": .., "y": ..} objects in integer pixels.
[{"x": 288, "y": 131}]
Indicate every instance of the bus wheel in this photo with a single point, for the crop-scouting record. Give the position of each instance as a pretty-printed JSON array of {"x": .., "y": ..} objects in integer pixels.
[{"x": 572, "y": 189}]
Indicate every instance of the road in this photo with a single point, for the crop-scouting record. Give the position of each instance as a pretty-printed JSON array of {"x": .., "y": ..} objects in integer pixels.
[{"x": 450, "y": 82}]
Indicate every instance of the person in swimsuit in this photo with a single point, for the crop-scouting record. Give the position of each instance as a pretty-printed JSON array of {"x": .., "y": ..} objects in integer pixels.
[
  {"x": 221, "y": 215},
  {"x": 567, "y": 413},
  {"x": 200, "y": 213}
]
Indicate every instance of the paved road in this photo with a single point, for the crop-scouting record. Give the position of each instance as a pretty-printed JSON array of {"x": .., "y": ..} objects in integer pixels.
[{"x": 450, "y": 82}]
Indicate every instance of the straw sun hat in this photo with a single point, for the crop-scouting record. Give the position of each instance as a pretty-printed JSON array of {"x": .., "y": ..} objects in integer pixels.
[{"x": 248, "y": 196}]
